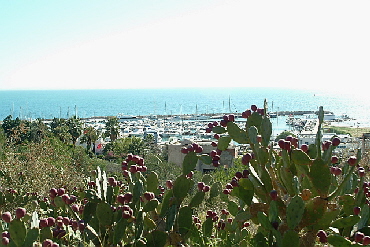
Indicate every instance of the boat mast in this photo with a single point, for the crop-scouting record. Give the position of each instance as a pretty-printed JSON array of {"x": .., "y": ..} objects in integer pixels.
[{"x": 229, "y": 104}]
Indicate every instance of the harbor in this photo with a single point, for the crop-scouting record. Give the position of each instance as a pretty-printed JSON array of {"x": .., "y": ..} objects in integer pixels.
[{"x": 174, "y": 128}]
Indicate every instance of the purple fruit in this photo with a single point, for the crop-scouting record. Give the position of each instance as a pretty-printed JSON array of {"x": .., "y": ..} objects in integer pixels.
[
  {"x": 6, "y": 217},
  {"x": 359, "y": 237},
  {"x": 335, "y": 141},
  {"x": 273, "y": 195},
  {"x": 356, "y": 210},
  {"x": 254, "y": 108},
  {"x": 304, "y": 148},
  {"x": 200, "y": 186},
  {"x": 20, "y": 212},
  {"x": 352, "y": 160},
  {"x": 5, "y": 240},
  {"x": 246, "y": 158}
]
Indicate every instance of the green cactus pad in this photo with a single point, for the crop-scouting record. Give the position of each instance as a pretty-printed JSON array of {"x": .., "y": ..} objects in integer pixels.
[
  {"x": 104, "y": 214},
  {"x": 45, "y": 233},
  {"x": 197, "y": 199},
  {"x": 291, "y": 239},
  {"x": 171, "y": 216},
  {"x": 266, "y": 131},
  {"x": 299, "y": 157},
  {"x": 295, "y": 211},
  {"x": 326, "y": 219},
  {"x": 215, "y": 189},
  {"x": 18, "y": 231},
  {"x": 259, "y": 240},
  {"x": 320, "y": 177},
  {"x": 242, "y": 216},
  {"x": 205, "y": 159},
  {"x": 185, "y": 220},
  {"x": 239, "y": 135},
  {"x": 223, "y": 142},
  {"x": 264, "y": 220},
  {"x": 233, "y": 208},
  {"x": 338, "y": 241},
  {"x": 348, "y": 202},
  {"x": 89, "y": 211},
  {"x": 119, "y": 230},
  {"x": 152, "y": 182},
  {"x": 273, "y": 212},
  {"x": 252, "y": 134},
  {"x": 365, "y": 211},
  {"x": 151, "y": 205},
  {"x": 218, "y": 130},
  {"x": 166, "y": 203},
  {"x": 207, "y": 178},
  {"x": 315, "y": 209},
  {"x": 207, "y": 227},
  {"x": 286, "y": 176},
  {"x": 254, "y": 120},
  {"x": 346, "y": 221},
  {"x": 246, "y": 191},
  {"x": 31, "y": 236},
  {"x": 156, "y": 238},
  {"x": 181, "y": 187},
  {"x": 190, "y": 161},
  {"x": 58, "y": 201},
  {"x": 149, "y": 223}
]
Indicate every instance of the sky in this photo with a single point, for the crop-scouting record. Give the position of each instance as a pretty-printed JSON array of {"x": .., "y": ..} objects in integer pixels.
[{"x": 91, "y": 44}]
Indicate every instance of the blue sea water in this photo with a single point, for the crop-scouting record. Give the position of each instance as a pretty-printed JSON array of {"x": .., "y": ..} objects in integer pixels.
[{"x": 47, "y": 104}]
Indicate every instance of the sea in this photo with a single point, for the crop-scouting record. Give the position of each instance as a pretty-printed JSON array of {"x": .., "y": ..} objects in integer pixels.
[{"x": 47, "y": 104}]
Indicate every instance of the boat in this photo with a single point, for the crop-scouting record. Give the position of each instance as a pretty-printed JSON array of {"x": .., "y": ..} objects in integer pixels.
[
  {"x": 122, "y": 118},
  {"x": 273, "y": 115}
]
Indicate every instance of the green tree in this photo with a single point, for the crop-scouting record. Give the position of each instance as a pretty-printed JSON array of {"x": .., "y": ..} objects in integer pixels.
[
  {"x": 74, "y": 128},
  {"x": 38, "y": 131},
  {"x": 90, "y": 135},
  {"x": 60, "y": 129},
  {"x": 112, "y": 128},
  {"x": 121, "y": 147},
  {"x": 284, "y": 134}
]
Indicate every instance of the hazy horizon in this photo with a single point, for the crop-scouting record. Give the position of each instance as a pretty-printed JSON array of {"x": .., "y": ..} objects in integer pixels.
[{"x": 49, "y": 45}]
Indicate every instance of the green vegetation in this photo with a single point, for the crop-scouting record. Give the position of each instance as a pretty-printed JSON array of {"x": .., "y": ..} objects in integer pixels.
[
  {"x": 283, "y": 135},
  {"x": 285, "y": 197},
  {"x": 354, "y": 132}
]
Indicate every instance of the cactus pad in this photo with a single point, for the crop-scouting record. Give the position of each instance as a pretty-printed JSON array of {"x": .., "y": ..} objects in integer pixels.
[
  {"x": 236, "y": 133},
  {"x": 185, "y": 220},
  {"x": 190, "y": 161},
  {"x": 320, "y": 177},
  {"x": 294, "y": 212},
  {"x": 18, "y": 231}
]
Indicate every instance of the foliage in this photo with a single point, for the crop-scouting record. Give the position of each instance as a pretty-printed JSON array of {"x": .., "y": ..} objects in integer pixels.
[
  {"x": 90, "y": 135},
  {"x": 283, "y": 135},
  {"x": 112, "y": 129},
  {"x": 74, "y": 128},
  {"x": 294, "y": 197}
]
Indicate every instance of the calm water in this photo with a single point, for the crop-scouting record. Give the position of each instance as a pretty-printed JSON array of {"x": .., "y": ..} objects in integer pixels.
[{"x": 88, "y": 103}]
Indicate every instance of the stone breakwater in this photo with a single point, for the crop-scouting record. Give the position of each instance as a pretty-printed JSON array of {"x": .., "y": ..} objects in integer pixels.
[{"x": 205, "y": 116}]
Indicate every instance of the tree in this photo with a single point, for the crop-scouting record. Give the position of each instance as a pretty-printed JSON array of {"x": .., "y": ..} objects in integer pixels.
[
  {"x": 112, "y": 128},
  {"x": 16, "y": 130},
  {"x": 38, "y": 131},
  {"x": 60, "y": 129},
  {"x": 90, "y": 135},
  {"x": 123, "y": 146},
  {"x": 284, "y": 134},
  {"x": 74, "y": 128}
]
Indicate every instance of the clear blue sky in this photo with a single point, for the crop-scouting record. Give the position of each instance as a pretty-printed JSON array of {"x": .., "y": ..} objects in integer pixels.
[{"x": 145, "y": 43}]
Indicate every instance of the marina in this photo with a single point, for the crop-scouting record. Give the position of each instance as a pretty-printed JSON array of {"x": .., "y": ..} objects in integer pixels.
[{"x": 175, "y": 128}]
